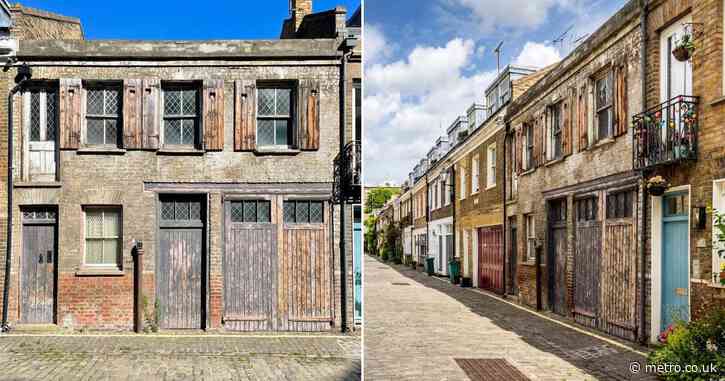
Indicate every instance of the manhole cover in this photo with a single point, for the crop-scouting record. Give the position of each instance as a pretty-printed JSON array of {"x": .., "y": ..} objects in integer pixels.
[
  {"x": 490, "y": 370},
  {"x": 401, "y": 284}
]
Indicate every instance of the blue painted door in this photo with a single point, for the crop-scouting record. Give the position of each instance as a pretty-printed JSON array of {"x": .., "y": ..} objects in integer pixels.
[
  {"x": 357, "y": 266},
  {"x": 675, "y": 277}
]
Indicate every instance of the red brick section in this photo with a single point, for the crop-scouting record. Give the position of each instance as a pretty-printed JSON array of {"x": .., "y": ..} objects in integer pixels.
[{"x": 98, "y": 302}]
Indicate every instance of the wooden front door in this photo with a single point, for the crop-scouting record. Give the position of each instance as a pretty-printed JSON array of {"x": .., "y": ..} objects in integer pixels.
[
  {"x": 490, "y": 258},
  {"x": 40, "y": 120},
  {"x": 37, "y": 294},
  {"x": 556, "y": 261},
  {"x": 250, "y": 266},
  {"x": 180, "y": 262},
  {"x": 513, "y": 287},
  {"x": 587, "y": 260},
  {"x": 675, "y": 254}
]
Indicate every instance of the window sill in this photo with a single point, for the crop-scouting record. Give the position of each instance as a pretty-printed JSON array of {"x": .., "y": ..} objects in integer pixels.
[
  {"x": 101, "y": 151},
  {"x": 717, "y": 101},
  {"x": 490, "y": 186},
  {"x": 276, "y": 151},
  {"x": 603, "y": 142},
  {"x": 528, "y": 171},
  {"x": 528, "y": 263},
  {"x": 180, "y": 151},
  {"x": 554, "y": 161},
  {"x": 30, "y": 184},
  {"x": 100, "y": 271}
]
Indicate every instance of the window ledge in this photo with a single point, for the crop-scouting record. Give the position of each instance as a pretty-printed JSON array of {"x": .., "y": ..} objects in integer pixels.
[
  {"x": 100, "y": 271},
  {"x": 276, "y": 151},
  {"x": 101, "y": 151},
  {"x": 717, "y": 101},
  {"x": 554, "y": 161},
  {"x": 707, "y": 283},
  {"x": 180, "y": 151},
  {"x": 491, "y": 186},
  {"x": 526, "y": 172},
  {"x": 603, "y": 142},
  {"x": 528, "y": 263},
  {"x": 30, "y": 184}
]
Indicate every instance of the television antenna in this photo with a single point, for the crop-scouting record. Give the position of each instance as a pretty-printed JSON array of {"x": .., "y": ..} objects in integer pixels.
[
  {"x": 498, "y": 56},
  {"x": 560, "y": 40}
]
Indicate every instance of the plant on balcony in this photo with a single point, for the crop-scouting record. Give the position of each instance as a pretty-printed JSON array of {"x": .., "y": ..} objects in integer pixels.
[
  {"x": 684, "y": 48},
  {"x": 719, "y": 244},
  {"x": 656, "y": 185}
]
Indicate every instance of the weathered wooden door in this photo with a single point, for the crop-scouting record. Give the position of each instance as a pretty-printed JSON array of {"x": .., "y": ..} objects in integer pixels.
[
  {"x": 675, "y": 253},
  {"x": 250, "y": 266},
  {"x": 513, "y": 258},
  {"x": 37, "y": 295},
  {"x": 306, "y": 267},
  {"x": 41, "y": 121},
  {"x": 556, "y": 261},
  {"x": 587, "y": 257},
  {"x": 490, "y": 258},
  {"x": 180, "y": 262}
]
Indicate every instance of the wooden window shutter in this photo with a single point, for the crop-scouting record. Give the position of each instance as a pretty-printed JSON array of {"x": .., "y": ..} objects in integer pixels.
[
  {"x": 518, "y": 147},
  {"x": 583, "y": 118},
  {"x": 537, "y": 141},
  {"x": 213, "y": 121},
  {"x": 132, "y": 113},
  {"x": 620, "y": 99},
  {"x": 151, "y": 105},
  {"x": 70, "y": 113},
  {"x": 245, "y": 115},
  {"x": 308, "y": 118},
  {"x": 566, "y": 134}
]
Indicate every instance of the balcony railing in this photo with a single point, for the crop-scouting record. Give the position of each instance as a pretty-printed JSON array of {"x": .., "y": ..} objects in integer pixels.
[
  {"x": 666, "y": 133},
  {"x": 348, "y": 174}
]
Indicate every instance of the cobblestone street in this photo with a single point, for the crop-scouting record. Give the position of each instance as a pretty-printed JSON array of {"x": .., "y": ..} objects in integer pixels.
[
  {"x": 199, "y": 357},
  {"x": 416, "y": 326}
]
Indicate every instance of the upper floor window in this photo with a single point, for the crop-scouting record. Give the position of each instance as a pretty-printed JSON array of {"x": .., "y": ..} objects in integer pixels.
[
  {"x": 274, "y": 116},
  {"x": 555, "y": 142},
  {"x": 103, "y": 114},
  {"x": 530, "y": 237},
  {"x": 603, "y": 105},
  {"x": 528, "y": 146},
  {"x": 474, "y": 174},
  {"x": 43, "y": 114},
  {"x": 40, "y": 132},
  {"x": 491, "y": 170},
  {"x": 181, "y": 115},
  {"x": 463, "y": 184}
]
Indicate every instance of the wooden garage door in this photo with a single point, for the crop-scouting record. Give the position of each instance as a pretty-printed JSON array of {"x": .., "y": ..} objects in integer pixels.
[
  {"x": 490, "y": 258},
  {"x": 38, "y": 266},
  {"x": 306, "y": 267},
  {"x": 557, "y": 256},
  {"x": 587, "y": 258},
  {"x": 250, "y": 266},
  {"x": 179, "y": 274}
]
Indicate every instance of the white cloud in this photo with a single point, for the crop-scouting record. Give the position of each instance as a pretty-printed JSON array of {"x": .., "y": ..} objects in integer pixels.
[
  {"x": 526, "y": 14},
  {"x": 410, "y": 102},
  {"x": 376, "y": 47},
  {"x": 537, "y": 55}
]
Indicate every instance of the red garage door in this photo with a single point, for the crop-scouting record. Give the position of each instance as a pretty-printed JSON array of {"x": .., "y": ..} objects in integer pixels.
[{"x": 490, "y": 258}]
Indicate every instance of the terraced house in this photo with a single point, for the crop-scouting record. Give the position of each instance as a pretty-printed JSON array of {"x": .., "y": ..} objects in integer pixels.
[{"x": 188, "y": 182}]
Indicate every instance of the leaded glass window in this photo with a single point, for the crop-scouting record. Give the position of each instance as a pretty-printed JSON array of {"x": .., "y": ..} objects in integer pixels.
[
  {"x": 103, "y": 115},
  {"x": 303, "y": 212},
  {"x": 251, "y": 211},
  {"x": 274, "y": 116},
  {"x": 620, "y": 204},
  {"x": 43, "y": 114},
  {"x": 103, "y": 236},
  {"x": 181, "y": 116},
  {"x": 180, "y": 210}
]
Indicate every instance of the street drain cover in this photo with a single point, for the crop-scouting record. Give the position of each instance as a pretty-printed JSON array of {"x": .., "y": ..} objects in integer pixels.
[
  {"x": 401, "y": 284},
  {"x": 490, "y": 370}
]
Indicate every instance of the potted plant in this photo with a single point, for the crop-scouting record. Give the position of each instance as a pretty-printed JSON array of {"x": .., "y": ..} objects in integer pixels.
[
  {"x": 656, "y": 186},
  {"x": 719, "y": 244},
  {"x": 684, "y": 48}
]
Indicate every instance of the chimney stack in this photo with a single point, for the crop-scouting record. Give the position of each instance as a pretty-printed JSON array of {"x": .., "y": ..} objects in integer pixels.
[{"x": 299, "y": 9}]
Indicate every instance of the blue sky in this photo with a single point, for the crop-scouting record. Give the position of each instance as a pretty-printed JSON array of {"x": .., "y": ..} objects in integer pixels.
[
  {"x": 427, "y": 61},
  {"x": 193, "y": 20}
]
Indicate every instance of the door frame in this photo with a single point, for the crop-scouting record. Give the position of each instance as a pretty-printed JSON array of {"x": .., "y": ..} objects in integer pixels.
[
  {"x": 205, "y": 252},
  {"x": 56, "y": 233},
  {"x": 656, "y": 255}
]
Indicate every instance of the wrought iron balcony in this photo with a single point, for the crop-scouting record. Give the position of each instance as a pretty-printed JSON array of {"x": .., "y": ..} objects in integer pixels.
[
  {"x": 348, "y": 174},
  {"x": 666, "y": 133}
]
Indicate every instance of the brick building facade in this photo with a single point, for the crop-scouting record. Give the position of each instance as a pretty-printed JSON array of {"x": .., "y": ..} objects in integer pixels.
[{"x": 210, "y": 163}]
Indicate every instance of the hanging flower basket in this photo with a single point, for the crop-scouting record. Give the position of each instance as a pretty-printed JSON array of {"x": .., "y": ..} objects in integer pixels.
[
  {"x": 656, "y": 186},
  {"x": 684, "y": 48}
]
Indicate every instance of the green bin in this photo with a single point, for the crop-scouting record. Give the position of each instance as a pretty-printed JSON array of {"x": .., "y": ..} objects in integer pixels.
[
  {"x": 429, "y": 263},
  {"x": 454, "y": 270}
]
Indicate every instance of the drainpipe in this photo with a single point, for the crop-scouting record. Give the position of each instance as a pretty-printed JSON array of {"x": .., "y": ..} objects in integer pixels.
[
  {"x": 24, "y": 74},
  {"x": 138, "y": 252},
  {"x": 642, "y": 252},
  {"x": 343, "y": 260},
  {"x": 452, "y": 195},
  {"x": 427, "y": 220}
]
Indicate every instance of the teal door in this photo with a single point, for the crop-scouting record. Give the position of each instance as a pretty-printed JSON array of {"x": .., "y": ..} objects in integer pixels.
[
  {"x": 675, "y": 248},
  {"x": 357, "y": 250}
]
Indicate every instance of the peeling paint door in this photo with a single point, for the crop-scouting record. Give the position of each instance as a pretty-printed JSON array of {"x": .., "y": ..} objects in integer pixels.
[
  {"x": 37, "y": 292},
  {"x": 250, "y": 263},
  {"x": 180, "y": 262},
  {"x": 556, "y": 261},
  {"x": 587, "y": 261}
]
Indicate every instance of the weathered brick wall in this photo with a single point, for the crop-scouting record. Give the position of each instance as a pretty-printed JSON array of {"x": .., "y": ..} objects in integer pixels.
[
  {"x": 36, "y": 24},
  {"x": 605, "y": 159}
]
